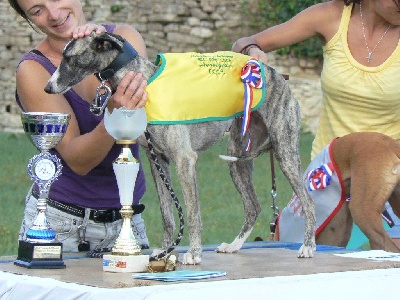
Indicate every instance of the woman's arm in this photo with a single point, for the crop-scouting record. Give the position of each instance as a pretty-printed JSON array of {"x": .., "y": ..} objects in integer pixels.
[
  {"x": 82, "y": 152},
  {"x": 320, "y": 20}
]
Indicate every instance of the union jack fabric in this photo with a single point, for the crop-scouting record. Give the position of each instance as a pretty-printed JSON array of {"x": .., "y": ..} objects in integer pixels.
[
  {"x": 320, "y": 177},
  {"x": 252, "y": 78}
]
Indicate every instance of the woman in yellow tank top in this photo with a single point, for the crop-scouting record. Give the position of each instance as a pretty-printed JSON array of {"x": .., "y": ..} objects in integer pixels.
[{"x": 361, "y": 71}]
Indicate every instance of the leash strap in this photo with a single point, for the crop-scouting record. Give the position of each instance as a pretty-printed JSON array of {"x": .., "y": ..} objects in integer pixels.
[
  {"x": 275, "y": 209},
  {"x": 165, "y": 254}
]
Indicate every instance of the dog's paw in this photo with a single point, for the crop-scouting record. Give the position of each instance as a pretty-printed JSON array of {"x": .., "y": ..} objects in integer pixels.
[
  {"x": 306, "y": 252},
  {"x": 222, "y": 248},
  {"x": 226, "y": 248},
  {"x": 189, "y": 259}
]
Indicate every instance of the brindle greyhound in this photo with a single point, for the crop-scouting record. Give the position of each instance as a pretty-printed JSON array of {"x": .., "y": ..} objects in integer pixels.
[{"x": 274, "y": 125}]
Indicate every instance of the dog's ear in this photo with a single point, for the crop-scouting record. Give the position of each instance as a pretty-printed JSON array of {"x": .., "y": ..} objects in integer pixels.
[{"x": 106, "y": 41}]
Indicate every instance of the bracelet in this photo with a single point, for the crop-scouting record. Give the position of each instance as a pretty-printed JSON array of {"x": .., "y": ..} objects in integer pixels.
[{"x": 245, "y": 50}]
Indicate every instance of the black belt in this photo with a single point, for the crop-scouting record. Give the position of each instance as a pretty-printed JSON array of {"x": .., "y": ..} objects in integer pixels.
[{"x": 96, "y": 215}]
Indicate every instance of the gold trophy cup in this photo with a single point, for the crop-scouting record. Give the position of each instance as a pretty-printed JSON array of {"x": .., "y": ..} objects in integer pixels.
[{"x": 126, "y": 126}]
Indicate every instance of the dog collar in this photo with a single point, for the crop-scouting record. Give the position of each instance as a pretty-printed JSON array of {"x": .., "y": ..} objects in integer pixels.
[{"x": 128, "y": 54}]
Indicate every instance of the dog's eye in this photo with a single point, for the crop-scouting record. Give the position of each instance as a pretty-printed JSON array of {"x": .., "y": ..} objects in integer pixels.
[
  {"x": 66, "y": 58},
  {"x": 104, "y": 46}
]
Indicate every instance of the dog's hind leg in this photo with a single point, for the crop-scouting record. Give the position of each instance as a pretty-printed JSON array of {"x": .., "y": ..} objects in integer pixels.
[
  {"x": 241, "y": 172},
  {"x": 289, "y": 162},
  {"x": 283, "y": 122}
]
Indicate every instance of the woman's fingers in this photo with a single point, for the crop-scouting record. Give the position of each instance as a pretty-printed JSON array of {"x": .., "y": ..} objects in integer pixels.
[
  {"x": 87, "y": 29},
  {"x": 259, "y": 55},
  {"x": 131, "y": 91}
]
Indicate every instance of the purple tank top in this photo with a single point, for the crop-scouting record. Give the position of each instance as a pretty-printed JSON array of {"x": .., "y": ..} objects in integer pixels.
[{"x": 98, "y": 189}]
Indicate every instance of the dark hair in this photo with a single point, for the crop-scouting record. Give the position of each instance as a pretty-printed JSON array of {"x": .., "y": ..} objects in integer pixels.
[{"x": 14, "y": 4}]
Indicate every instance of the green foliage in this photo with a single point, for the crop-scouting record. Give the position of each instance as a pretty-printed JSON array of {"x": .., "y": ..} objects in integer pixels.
[
  {"x": 16, "y": 150},
  {"x": 116, "y": 8},
  {"x": 273, "y": 12},
  {"x": 222, "y": 41}
]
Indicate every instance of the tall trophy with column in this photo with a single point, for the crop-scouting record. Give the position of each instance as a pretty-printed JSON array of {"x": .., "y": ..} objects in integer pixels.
[
  {"x": 126, "y": 126},
  {"x": 41, "y": 249}
]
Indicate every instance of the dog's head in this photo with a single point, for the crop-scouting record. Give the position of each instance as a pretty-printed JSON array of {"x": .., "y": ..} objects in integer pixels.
[{"x": 82, "y": 57}]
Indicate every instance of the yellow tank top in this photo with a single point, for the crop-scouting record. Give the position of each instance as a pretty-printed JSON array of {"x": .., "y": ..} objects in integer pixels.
[
  {"x": 356, "y": 97},
  {"x": 193, "y": 87}
]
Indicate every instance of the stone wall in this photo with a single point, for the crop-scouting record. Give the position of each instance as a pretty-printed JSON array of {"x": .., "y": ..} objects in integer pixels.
[{"x": 167, "y": 26}]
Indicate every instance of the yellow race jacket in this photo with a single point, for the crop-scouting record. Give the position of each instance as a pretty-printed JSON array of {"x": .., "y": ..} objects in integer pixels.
[{"x": 193, "y": 87}]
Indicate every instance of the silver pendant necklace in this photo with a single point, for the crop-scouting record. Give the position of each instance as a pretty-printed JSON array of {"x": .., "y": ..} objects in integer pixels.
[{"x": 369, "y": 56}]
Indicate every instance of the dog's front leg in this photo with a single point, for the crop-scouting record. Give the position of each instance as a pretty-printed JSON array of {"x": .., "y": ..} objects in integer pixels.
[
  {"x": 164, "y": 197},
  {"x": 177, "y": 143},
  {"x": 186, "y": 170}
]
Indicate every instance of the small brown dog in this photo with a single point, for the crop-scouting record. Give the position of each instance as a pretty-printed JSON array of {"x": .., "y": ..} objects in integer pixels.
[{"x": 367, "y": 167}]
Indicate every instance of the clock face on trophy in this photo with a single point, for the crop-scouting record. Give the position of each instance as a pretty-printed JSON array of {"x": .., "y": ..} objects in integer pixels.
[{"x": 45, "y": 169}]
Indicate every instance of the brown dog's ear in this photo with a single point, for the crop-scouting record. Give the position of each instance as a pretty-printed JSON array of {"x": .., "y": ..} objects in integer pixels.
[{"x": 107, "y": 41}]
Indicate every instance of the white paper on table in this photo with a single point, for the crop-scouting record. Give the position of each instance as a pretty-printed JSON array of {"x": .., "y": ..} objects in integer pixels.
[
  {"x": 180, "y": 275},
  {"x": 372, "y": 254}
]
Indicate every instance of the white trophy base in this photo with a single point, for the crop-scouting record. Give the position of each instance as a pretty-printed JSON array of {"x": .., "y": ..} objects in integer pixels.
[{"x": 125, "y": 263}]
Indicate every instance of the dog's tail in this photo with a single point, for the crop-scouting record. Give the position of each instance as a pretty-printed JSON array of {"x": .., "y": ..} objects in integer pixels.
[
  {"x": 229, "y": 158},
  {"x": 248, "y": 155},
  {"x": 235, "y": 158}
]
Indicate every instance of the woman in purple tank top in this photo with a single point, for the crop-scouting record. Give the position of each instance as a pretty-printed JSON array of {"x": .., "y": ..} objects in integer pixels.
[{"x": 83, "y": 206}]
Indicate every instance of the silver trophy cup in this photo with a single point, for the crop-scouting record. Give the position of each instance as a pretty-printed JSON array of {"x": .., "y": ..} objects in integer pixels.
[{"x": 40, "y": 249}]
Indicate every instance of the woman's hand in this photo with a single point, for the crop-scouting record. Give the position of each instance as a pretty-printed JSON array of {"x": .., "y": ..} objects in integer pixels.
[
  {"x": 131, "y": 92},
  {"x": 87, "y": 29},
  {"x": 249, "y": 46},
  {"x": 258, "y": 54}
]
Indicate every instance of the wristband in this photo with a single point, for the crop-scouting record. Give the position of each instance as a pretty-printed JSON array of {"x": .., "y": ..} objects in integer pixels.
[{"x": 245, "y": 50}]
